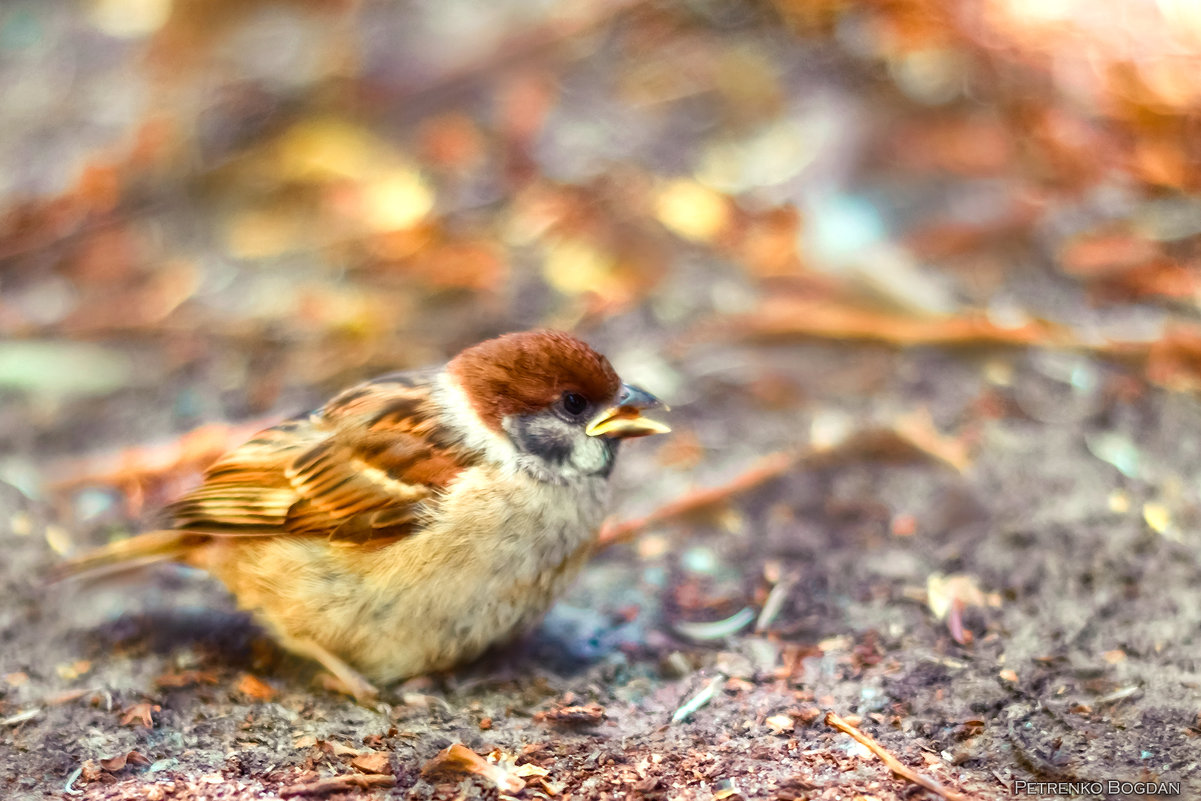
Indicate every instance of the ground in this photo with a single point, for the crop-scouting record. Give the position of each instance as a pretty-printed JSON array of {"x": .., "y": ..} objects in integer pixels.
[
  {"x": 954, "y": 452},
  {"x": 1082, "y": 668}
]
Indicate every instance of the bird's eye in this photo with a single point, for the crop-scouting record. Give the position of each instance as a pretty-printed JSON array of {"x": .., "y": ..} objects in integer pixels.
[{"x": 574, "y": 403}]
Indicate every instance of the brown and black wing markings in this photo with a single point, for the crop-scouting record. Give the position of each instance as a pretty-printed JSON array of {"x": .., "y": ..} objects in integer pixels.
[{"x": 358, "y": 471}]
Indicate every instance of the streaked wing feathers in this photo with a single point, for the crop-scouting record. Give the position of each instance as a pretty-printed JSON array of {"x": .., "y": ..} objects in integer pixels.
[{"x": 357, "y": 471}]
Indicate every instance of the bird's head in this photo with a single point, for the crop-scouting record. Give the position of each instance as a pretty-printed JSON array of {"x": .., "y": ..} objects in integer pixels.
[{"x": 554, "y": 398}]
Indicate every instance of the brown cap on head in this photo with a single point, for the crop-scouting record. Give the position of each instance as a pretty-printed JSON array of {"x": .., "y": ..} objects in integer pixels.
[{"x": 528, "y": 371}]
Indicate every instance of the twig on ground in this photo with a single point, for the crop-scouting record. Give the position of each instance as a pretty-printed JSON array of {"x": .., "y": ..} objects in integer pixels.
[
  {"x": 339, "y": 784},
  {"x": 774, "y": 603},
  {"x": 894, "y": 764},
  {"x": 1118, "y": 695},
  {"x": 907, "y": 442},
  {"x": 69, "y": 787},
  {"x": 700, "y": 699},
  {"x": 790, "y": 319},
  {"x": 21, "y": 717},
  {"x": 717, "y": 629},
  {"x": 773, "y": 466}
]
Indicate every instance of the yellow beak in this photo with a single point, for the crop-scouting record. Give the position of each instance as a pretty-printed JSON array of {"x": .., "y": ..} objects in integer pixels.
[{"x": 624, "y": 418}]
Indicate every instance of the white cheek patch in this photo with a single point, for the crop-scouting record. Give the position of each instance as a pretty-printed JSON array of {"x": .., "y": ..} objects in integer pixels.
[
  {"x": 461, "y": 417},
  {"x": 591, "y": 455}
]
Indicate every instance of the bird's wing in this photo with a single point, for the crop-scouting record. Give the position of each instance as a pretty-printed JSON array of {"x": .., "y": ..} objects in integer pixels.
[{"x": 358, "y": 470}]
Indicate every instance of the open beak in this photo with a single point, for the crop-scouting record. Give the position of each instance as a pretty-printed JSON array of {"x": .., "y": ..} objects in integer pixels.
[{"x": 624, "y": 418}]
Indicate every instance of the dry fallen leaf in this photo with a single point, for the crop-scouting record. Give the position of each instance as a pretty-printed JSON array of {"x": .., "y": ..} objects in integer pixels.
[
  {"x": 780, "y": 724},
  {"x": 140, "y": 715},
  {"x": 255, "y": 687},
  {"x": 948, "y": 596},
  {"x": 573, "y": 715},
  {"x": 338, "y": 749},
  {"x": 373, "y": 762},
  {"x": 943, "y": 591},
  {"x": 458, "y": 760},
  {"x": 118, "y": 762},
  {"x": 549, "y": 787}
]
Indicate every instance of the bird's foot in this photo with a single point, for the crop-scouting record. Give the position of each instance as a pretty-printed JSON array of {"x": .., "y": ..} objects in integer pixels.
[{"x": 341, "y": 677}]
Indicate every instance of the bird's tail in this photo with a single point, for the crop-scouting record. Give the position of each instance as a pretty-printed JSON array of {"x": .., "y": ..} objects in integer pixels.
[{"x": 127, "y": 554}]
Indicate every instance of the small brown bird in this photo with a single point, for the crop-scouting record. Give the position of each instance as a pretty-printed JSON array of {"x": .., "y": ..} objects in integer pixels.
[{"x": 416, "y": 519}]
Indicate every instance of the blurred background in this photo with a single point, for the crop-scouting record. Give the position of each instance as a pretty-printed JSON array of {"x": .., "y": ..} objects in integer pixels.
[
  {"x": 223, "y": 210},
  {"x": 217, "y": 209},
  {"x": 217, "y": 212},
  {"x": 972, "y": 223}
]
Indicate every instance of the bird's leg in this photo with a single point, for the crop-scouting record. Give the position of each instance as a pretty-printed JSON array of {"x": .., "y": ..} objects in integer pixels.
[{"x": 352, "y": 682}]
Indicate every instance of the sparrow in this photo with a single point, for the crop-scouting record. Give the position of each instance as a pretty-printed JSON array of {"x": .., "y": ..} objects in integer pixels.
[{"x": 416, "y": 519}]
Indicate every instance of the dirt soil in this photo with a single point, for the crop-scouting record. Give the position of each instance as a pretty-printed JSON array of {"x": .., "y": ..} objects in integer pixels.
[
  {"x": 1051, "y": 510},
  {"x": 1083, "y": 665}
]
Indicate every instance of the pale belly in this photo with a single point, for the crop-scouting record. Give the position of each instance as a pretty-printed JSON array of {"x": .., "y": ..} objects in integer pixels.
[{"x": 489, "y": 567}]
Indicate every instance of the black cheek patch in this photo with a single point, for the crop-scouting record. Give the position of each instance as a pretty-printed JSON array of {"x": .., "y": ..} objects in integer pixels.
[{"x": 542, "y": 440}]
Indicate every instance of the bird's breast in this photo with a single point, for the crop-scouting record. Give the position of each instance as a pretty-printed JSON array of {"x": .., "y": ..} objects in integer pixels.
[{"x": 516, "y": 525}]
